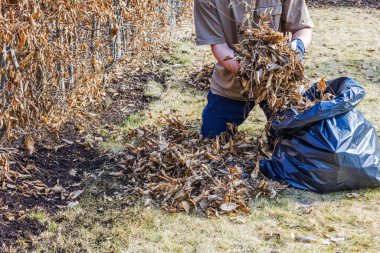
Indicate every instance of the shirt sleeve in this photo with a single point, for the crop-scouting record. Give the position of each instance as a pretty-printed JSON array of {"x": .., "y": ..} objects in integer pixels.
[
  {"x": 295, "y": 16},
  {"x": 208, "y": 27}
]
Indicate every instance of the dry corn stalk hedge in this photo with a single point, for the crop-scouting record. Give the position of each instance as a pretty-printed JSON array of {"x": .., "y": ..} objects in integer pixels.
[{"x": 55, "y": 56}]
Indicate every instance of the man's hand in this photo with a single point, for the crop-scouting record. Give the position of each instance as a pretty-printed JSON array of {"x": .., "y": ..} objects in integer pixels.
[
  {"x": 301, "y": 40},
  {"x": 297, "y": 46},
  {"x": 223, "y": 52}
]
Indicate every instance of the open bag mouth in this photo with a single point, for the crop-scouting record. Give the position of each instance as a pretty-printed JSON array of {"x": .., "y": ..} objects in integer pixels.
[{"x": 348, "y": 94}]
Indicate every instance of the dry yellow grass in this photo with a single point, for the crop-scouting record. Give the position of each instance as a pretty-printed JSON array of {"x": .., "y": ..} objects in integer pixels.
[{"x": 343, "y": 43}]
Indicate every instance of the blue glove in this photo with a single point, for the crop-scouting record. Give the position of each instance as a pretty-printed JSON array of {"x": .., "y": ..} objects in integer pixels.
[{"x": 298, "y": 47}]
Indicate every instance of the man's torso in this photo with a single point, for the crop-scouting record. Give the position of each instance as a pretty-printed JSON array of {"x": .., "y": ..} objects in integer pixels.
[{"x": 232, "y": 13}]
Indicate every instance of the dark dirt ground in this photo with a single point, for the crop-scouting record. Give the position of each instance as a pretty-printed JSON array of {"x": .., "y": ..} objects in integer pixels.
[
  {"x": 55, "y": 160},
  {"x": 53, "y": 166},
  {"x": 125, "y": 96},
  {"x": 21, "y": 229}
]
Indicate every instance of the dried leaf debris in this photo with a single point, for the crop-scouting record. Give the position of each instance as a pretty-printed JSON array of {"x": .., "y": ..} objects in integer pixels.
[
  {"x": 172, "y": 166},
  {"x": 24, "y": 182},
  {"x": 200, "y": 79},
  {"x": 270, "y": 70},
  {"x": 52, "y": 177}
]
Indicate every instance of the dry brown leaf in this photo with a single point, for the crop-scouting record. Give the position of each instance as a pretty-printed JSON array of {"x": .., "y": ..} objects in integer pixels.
[
  {"x": 228, "y": 207},
  {"x": 322, "y": 85},
  {"x": 29, "y": 145},
  {"x": 36, "y": 15},
  {"x": 186, "y": 206}
]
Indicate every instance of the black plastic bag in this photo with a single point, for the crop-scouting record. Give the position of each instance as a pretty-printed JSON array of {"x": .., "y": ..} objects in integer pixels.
[{"x": 330, "y": 147}]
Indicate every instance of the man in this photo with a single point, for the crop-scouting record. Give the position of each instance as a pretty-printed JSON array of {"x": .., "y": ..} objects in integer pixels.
[{"x": 216, "y": 24}]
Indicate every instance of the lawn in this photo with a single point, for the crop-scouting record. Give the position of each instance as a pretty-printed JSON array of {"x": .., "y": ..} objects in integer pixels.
[{"x": 346, "y": 43}]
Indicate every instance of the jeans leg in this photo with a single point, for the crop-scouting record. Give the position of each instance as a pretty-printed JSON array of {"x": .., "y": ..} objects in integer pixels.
[
  {"x": 220, "y": 111},
  {"x": 272, "y": 135}
]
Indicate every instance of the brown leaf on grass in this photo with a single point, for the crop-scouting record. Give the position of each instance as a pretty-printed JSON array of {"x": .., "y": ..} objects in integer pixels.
[
  {"x": 272, "y": 235},
  {"x": 331, "y": 229},
  {"x": 29, "y": 145},
  {"x": 228, "y": 207},
  {"x": 186, "y": 206}
]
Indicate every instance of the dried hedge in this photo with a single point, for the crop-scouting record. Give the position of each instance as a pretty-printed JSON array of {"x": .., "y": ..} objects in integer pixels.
[{"x": 55, "y": 56}]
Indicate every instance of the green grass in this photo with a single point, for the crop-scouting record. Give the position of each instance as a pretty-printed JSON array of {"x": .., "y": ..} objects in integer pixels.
[
  {"x": 38, "y": 216},
  {"x": 134, "y": 121},
  {"x": 270, "y": 226},
  {"x": 181, "y": 55},
  {"x": 341, "y": 43},
  {"x": 153, "y": 90}
]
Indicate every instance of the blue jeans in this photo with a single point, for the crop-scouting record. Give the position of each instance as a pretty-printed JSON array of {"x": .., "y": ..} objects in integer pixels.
[{"x": 221, "y": 110}]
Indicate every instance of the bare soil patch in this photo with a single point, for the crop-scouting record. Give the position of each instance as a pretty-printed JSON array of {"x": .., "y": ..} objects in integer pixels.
[
  {"x": 21, "y": 229},
  {"x": 125, "y": 95},
  {"x": 67, "y": 166}
]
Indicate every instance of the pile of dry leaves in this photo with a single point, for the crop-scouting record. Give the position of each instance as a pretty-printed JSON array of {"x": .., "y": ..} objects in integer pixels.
[
  {"x": 173, "y": 167},
  {"x": 271, "y": 71}
]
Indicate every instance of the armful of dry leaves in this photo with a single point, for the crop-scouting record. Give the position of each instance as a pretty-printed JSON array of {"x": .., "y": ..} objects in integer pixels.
[{"x": 271, "y": 71}]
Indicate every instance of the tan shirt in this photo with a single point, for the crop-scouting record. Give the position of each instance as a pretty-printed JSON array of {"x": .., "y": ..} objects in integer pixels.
[{"x": 216, "y": 22}]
